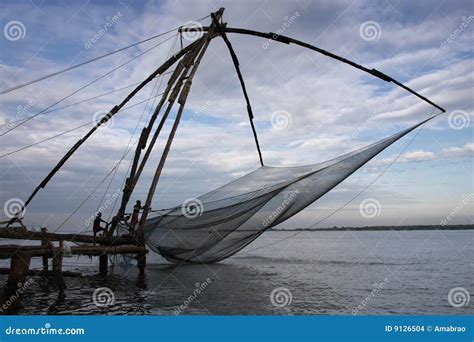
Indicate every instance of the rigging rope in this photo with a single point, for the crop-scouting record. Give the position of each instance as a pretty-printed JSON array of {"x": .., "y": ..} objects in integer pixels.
[
  {"x": 353, "y": 198},
  {"x": 5, "y": 91},
  {"x": 117, "y": 165},
  {"x": 162, "y": 68},
  {"x": 136, "y": 127},
  {"x": 90, "y": 194},
  {"x": 73, "y": 129},
  {"x": 85, "y": 100},
  {"x": 87, "y": 85}
]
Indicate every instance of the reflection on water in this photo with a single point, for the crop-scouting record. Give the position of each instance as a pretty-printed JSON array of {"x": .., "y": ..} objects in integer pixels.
[{"x": 315, "y": 273}]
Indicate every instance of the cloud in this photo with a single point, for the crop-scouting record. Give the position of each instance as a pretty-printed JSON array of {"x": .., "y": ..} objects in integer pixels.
[
  {"x": 408, "y": 157},
  {"x": 416, "y": 156},
  {"x": 464, "y": 151},
  {"x": 334, "y": 108}
]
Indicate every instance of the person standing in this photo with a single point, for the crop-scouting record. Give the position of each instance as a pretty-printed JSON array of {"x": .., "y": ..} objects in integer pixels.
[
  {"x": 97, "y": 227},
  {"x": 135, "y": 214}
]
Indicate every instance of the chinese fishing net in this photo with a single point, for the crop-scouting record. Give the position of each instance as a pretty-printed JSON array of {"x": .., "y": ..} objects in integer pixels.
[{"x": 220, "y": 223}]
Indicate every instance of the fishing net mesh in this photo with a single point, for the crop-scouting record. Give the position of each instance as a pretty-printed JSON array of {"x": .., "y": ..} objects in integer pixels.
[{"x": 220, "y": 223}]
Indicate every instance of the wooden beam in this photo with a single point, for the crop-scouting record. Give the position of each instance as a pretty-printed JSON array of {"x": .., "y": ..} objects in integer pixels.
[
  {"x": 235, "y": 60},
  {"x": 7, "y": 251},
  {"x": 9, "y": 233},
  {"x": 191, "y": 62},
  {"x": 4, "y": 270},
  {"x": 287, "y": 40},
  {"x": 160, "y": 70}
]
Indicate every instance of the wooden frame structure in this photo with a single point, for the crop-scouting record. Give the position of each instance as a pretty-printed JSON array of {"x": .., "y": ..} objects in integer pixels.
[{"x": 179, "y": 84}]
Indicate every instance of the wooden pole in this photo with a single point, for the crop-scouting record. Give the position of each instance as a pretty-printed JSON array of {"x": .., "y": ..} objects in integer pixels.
[
  {"x": 19, "y": 265},
  {"x": 235, "y": 60},
  {"x": 132, "y": 180},
  {"x": 171, "y": 101},
  {"x": 287, "y": 40},
  {"x": 103, "y": 264},
  {"x": 165, "y": 66},
  {"x": 192, "y": 59},
  {"x": 57, "y": 269},
  {"x": 44, "y": 243}
]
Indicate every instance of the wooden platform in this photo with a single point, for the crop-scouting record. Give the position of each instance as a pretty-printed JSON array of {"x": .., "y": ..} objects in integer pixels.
[
  {"x": 52, "y": 246},
  {"x": 23, "y": 234},
  {"x": 7, "y": 251}
]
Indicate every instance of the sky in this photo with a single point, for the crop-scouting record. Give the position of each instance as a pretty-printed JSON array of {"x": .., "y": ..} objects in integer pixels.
[{"x": 308, "y": 108}]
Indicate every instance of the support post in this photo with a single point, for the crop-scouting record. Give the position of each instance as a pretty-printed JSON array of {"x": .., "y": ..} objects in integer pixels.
[
  {"x": 19, "y": 265},
  {"x": 166, "y": 65},
  {"x": 134, "y": 175},
  {"x": 103, "y": 264},
  {"x": 191, "y": 61},
  {"x": 58, "y": 269},
  {"x": 235, "y": 60},
  {"x": 44, "y": 243}
]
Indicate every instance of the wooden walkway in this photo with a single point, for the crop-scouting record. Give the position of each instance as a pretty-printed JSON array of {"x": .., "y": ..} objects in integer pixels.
[{"x": 52, "y": 246}]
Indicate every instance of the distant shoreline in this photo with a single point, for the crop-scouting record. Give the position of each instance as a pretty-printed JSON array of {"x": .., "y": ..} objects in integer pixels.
[{"x": 382, "y": 228}]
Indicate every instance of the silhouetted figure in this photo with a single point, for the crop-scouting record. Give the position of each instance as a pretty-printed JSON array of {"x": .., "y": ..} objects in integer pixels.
[
  {"x": 114, "y": 223},
  {"x": 97, "y": 227},
  {"x": 136, "y": 212}
]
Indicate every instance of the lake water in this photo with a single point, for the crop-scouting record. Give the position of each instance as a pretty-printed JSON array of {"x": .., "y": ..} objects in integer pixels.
[{"x": 313, "y": 273}]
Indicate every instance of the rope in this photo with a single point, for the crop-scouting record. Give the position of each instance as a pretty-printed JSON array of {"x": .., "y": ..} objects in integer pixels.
[
  {"x": 93, "y": 191},
  {"x": 85, "y": 100},
  {"x": 85, "y": 86},
  {"x": 89, "y": 61},
  {"x": 47, "y": 139},
  {"x": 71, "y": 130},
  {"x": 353, "y": 198},
  {"x": 143, "y": 112},
  {"x": 113, "y": 170}
]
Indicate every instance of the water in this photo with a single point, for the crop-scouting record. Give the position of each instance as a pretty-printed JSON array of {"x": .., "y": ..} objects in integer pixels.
[{"x": 335, "y": 273}]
